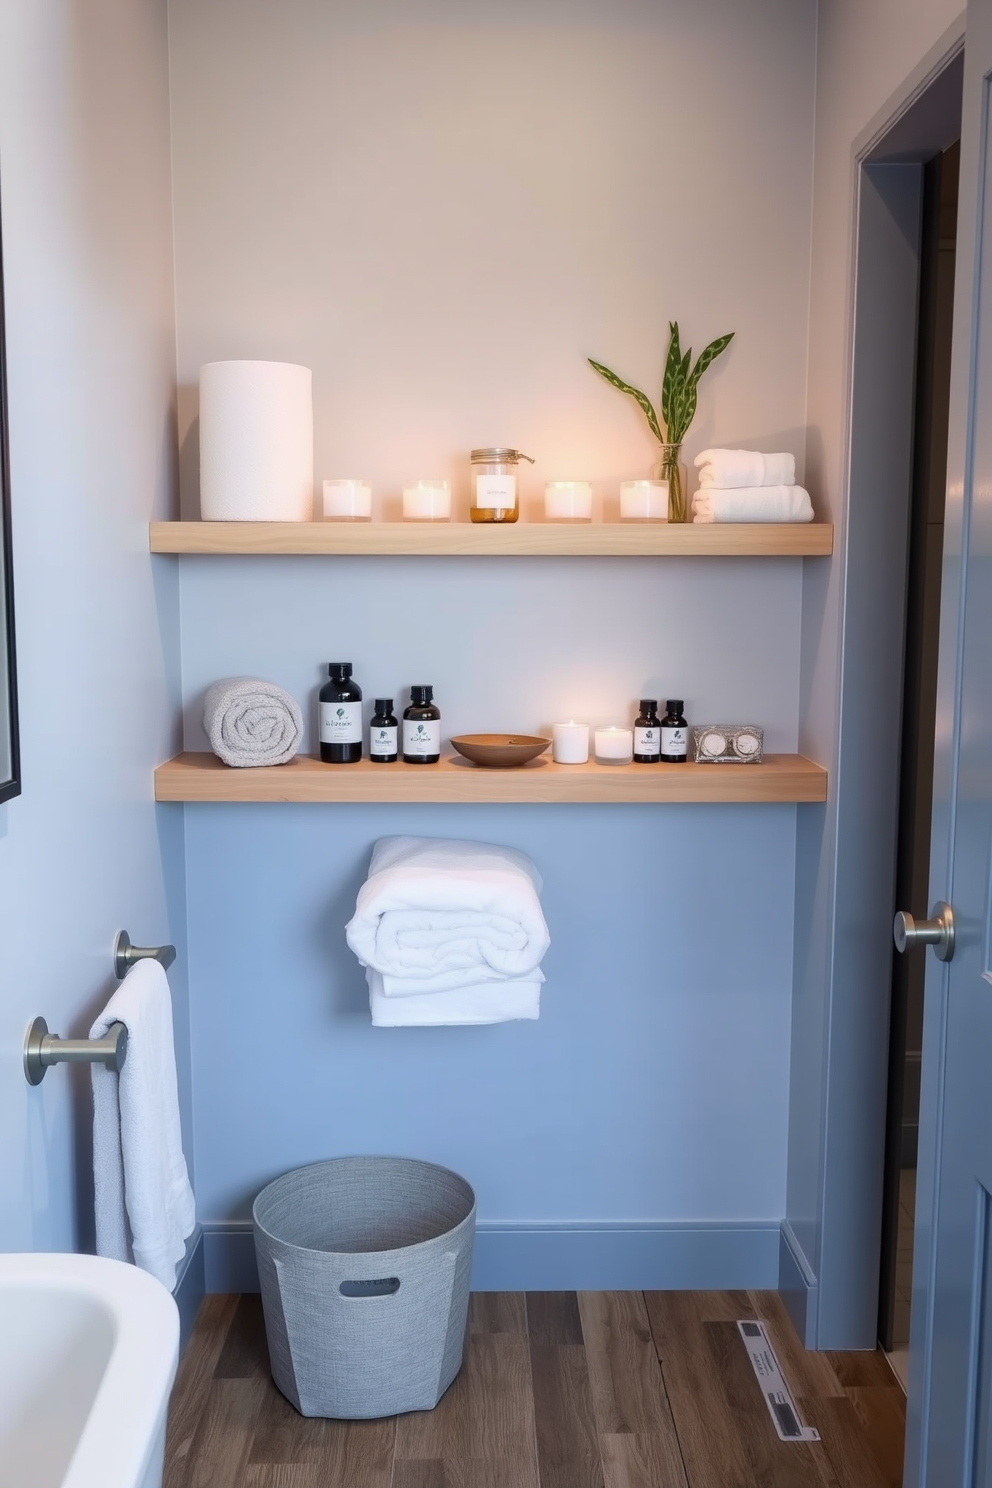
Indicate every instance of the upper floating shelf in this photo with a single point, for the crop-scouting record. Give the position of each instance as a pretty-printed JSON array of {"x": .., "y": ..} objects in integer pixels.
[
  {"x": 486, "y": 540},
  {"x": 202, "y": 777}
]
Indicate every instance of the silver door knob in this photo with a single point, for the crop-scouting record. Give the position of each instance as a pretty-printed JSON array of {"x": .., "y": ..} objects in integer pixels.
[{"x": 937, "y": 931}]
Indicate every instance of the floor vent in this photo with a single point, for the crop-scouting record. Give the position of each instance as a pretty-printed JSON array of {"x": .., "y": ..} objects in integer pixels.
[{"x": 778, "y": 1397}]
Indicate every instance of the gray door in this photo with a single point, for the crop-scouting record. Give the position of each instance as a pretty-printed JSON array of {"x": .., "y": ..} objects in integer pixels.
[{"x": 948, "y": 1444}]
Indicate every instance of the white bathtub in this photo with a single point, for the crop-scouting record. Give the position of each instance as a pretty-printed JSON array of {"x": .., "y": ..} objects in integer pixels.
[{"x": 88, "y": 1354}]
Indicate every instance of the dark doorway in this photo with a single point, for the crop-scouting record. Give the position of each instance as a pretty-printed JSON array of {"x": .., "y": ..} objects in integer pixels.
[{"x": 926, "y": 537}]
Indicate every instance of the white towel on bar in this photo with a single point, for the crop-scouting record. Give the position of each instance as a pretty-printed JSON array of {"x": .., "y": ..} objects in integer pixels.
[
  {"x": 482, "y": 1002},
  {"x": 435, "y": 915},
  {"x": 144, "y": 1204},
  {"x": 754, "y": 504},
  {"x": 729, "y": 468},
  {"x": 252, "y": 722}
]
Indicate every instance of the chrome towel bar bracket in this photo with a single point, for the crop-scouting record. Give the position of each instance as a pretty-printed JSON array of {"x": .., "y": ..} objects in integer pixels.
[
  {"x": 126, "y": 954},
  {"x": 42, "y": 1049}
]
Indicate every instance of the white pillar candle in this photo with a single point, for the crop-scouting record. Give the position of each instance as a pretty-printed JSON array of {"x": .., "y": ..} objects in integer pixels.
[
  {"x": 614, "y": 746},
  {"x": 427, "y": 501},
  {"x": 568, "y": 501},
  {"x": 570, "y": 743},
  {"x": 347, "y": 500},
  {"x": 644, "y": 501}
]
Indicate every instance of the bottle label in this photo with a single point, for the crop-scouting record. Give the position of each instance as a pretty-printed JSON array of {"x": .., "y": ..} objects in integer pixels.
[
  {"x": 383, "y": 740},
  {"x": 674, "y": 741},
  {"x": 647, "y": 741},
  {"x": 423, "y": 737},
  {"x": 492, "y": 491},
  {"x": 340, "y": 723}
]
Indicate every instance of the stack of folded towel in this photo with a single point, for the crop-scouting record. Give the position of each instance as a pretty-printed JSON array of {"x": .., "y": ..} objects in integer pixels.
[
  {"x": 449, "y": 932},
  {"x": 251, "y": 722},
  {"x": 747, "y": 486}
]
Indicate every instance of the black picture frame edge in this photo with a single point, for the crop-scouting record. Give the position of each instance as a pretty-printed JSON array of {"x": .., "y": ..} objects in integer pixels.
[{"x": 12, "y": 786}]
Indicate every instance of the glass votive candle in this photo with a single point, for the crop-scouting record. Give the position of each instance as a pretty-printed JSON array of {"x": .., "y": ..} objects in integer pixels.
[
  {"x": 644, "y": 501},
  {"x": 614, "y": 746},
  {"x": 570, "y": 743},
  {"x": 427, "y": 501},
  {"x": 568, "y": 501},
  {"x": 347, "y": 500}
]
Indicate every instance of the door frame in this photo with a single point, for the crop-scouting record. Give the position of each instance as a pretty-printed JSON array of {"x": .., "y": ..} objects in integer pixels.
[{"x": 845, "y": 859}]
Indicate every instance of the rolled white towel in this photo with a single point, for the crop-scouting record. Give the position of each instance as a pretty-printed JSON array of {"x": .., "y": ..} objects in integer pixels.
[
  {"x": 251, "y": 722},
  {"x": 752, "y": 504},
  {"x": 479, "y": 1002},
  {"x": 732, "y": 468},
  {"x": 436, "y": 915}
]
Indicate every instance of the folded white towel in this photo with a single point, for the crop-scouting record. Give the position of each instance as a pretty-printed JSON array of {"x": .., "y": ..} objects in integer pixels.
[
  {"x": 435, "y": 915},
  {"x": 251, "y": 722},
  {"x": 485, "y": 1002},
  {"x": 729, "y": 468},
  {"x": 144, "y": 1204},
  {"x": 753, "y": 504}
]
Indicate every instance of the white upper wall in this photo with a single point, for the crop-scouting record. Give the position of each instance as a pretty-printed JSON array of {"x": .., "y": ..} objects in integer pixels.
[
  {"x": 443, "y": 209},
  {"x": 84, "y": 154}
]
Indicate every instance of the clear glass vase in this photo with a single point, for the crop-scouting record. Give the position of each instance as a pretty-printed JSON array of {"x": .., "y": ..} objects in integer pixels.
[{"x": 669, "y": 467}]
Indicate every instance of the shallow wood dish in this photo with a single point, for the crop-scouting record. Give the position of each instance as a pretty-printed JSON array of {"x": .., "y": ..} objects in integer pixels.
[{"x": 500, "y": 751}]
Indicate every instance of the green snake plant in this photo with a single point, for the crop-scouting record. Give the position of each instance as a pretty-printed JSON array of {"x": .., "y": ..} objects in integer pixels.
[{"x": 678, "y": 406}]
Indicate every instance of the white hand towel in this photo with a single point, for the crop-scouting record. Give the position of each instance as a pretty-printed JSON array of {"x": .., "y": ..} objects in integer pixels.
[
  {"x": 251, "y": 722},
  {"x": 435, "y": 915},
  {"x": 485, "y": 1002},
  {"x": 729, "y": 468},
  {"x": 144, "y": 1204},
  {"x": 754, "y": 504}
]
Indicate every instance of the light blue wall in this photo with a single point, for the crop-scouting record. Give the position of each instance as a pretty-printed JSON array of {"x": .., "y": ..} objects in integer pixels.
[
  {"x": 84, "y": 153},
  {"x": 345, "y": 196},
  {"x": 653, "y": 1086}
]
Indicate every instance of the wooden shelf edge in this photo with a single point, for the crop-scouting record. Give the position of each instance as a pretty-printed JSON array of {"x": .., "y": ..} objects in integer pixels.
[
  {"x": 519, "y": 539},
  {"x": 193, "y": 777}
]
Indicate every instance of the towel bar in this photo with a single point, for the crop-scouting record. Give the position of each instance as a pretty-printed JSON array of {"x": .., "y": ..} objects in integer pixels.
[
  {"x": 42, "y": 1049},
  {"x": 126, "y": 954}
]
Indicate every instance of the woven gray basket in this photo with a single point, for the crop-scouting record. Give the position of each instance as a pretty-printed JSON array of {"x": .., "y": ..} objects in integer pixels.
[{"x": 364, "y": 1266}]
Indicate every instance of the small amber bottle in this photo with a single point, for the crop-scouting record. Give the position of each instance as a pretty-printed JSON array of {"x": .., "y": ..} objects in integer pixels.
[
  {"x": 674, "y": 734},
  {"x": 647, "y": 733},
  {"x": 421, "y": 728}
]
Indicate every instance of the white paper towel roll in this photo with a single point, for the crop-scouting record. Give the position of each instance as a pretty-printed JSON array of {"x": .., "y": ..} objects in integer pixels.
[{"x": 256, "y": 442}]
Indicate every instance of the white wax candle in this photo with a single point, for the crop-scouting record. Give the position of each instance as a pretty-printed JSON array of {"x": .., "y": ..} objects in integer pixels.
[
  {"x": 427, "y": 501},
  {"x": 614, "y": 745},
  {"x": 568, "y": 501},
  {"x": 570, "y": 743},
  {"x": 644, "y": 501},
  {"x": 347, "y": 500}
]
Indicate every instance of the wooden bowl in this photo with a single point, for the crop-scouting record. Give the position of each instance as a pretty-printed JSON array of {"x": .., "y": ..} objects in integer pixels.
[{"x": 500, "y": 751}]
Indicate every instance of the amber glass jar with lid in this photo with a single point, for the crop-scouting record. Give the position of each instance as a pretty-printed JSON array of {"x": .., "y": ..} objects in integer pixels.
[{"x": 495, "y": 495}]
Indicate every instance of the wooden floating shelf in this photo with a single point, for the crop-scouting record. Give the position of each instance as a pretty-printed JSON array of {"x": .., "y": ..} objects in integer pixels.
[
  {"x": 487, "y": 540},
  {"x": 202, "y": 777}
]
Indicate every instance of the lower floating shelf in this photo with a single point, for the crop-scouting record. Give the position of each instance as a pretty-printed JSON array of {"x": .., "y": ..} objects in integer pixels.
[{"x": 203, "y": 777}]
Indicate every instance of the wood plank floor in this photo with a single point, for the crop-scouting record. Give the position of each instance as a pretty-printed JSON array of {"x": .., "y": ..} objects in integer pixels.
[{"x": 559, "y": 1390}]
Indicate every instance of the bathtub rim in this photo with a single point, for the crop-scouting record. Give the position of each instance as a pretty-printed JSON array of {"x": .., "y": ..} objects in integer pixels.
[{"x": 129, "y": 1409}]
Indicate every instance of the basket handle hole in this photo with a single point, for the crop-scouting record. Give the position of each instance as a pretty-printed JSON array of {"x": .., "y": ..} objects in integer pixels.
[{"x": 385, "y": 1286}]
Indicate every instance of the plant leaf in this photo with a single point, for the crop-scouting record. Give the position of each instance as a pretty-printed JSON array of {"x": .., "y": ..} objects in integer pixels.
[
  {"x": 672, "y": 363},
  {"x": 709, "y": 354},
  {"x": 625, "y": 387},
  {"x": 687, "y": 412}
]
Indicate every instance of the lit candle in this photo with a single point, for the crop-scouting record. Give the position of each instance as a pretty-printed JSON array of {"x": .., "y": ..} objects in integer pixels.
[
  {"x": 614, "y": 746},
  {"x": 568, "y": 501},
  {"x": 347, "y": 500},
  {"x": 644, "y": 501},
  {"x": 427, "y": 501},
  {"x": 570, "y": 743}
]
